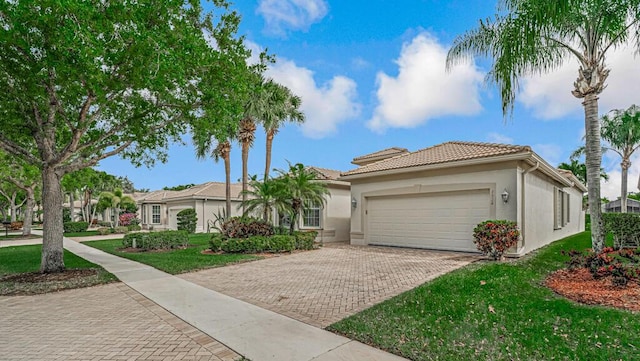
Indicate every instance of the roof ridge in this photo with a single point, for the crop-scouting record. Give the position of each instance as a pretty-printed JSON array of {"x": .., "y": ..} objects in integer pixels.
[
  {"x": 488, "y": 144},
  {"x": 404, "y": 150}
]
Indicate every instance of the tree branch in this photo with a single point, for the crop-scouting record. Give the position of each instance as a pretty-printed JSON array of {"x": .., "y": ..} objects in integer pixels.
[
  {"x": 14, "y": 148},
  {"x": 93, "y": 161}
]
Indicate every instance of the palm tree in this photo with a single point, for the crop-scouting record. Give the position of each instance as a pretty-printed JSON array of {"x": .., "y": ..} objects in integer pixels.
[
  {"x": 535, "y": 36},
  {"x": 116, "y": 201},
  {"x": 621, "y": 129},
  {"x": 265, "y": 196},
  {"x": 579, "y": 169},
  {"x": 287, "y": 107},
  {"x": 301, "y": 188}
]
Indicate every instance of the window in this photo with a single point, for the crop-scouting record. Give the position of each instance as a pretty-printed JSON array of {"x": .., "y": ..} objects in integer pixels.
[
  {"x": 144, "y": 214},
  {"x": 561, "y": 209},
  {"x": 155, "y": 214},
  {"x": 311, "y": 215}
]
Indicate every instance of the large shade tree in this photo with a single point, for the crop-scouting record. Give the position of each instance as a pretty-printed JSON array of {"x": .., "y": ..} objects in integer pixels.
[
  {"x": 529, "y": 37},
  {"x": 621, "y": 131},
  {"x": 86, "y": 80},
  {"x": 25, "y": 178}
]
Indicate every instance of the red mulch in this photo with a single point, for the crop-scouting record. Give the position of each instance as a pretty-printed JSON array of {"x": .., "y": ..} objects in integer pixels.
[{"x": 579, "y": 285}]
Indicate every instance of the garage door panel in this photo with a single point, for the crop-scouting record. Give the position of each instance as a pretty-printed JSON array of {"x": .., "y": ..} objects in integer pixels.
[{"x": 438, "y": 221}]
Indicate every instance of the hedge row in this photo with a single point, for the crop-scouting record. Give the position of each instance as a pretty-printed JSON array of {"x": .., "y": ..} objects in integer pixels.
[
  {"x": 156, "y": 240},
  {"x": 73, "y": 227},
  {"x": 257, "y": 244},
  {"x": 625, "y": 228}
]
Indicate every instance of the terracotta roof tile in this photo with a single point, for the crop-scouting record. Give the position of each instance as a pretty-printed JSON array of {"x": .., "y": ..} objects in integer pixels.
[
  {"x": 389, "y": 152},
  {"x": 326, "y": 174},
  {"x": 438, "y": 154}
]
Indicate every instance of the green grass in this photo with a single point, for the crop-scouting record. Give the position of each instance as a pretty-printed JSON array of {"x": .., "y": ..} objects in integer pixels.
[
  {"x": 175, "y": 261},
  {"x": 24, "y": 259},
  {"x": 15, "y": 237},
  {"x": 82, "y": 234},
  {"x": 449, "y": 317}
]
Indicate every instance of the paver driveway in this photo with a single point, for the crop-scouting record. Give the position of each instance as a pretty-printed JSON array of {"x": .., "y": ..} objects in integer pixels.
[
  {"x": 324, "y": 286},
  {"x": 110, "y": 322}
]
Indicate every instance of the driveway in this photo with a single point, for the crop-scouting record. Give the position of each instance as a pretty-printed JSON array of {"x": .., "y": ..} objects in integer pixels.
[{"x": 324, "y": 286}]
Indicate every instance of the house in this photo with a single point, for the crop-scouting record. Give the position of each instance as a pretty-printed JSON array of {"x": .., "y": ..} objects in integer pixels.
[
  {"x": 633, "y": 206},
  {"x": 434, "y": 197},
  {"x": 159, "y": 209},
  {"x": 332, "y": 222}
]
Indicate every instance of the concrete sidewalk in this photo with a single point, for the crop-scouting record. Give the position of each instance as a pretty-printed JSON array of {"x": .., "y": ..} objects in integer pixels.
[{"x": 253, "y": 332}]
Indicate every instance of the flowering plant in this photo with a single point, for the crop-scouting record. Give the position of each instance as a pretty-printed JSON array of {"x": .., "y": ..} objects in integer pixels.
[{"x": 494, "y": 237}]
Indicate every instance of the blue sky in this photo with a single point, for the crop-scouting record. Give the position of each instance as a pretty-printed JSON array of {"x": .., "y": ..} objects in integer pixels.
[{"x": 371, "y": 76}]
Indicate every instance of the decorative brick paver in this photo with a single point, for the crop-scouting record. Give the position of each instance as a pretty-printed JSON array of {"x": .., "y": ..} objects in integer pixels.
[
  {"x": 324, "y": 286},
  {"x": 111, "y": 322}
]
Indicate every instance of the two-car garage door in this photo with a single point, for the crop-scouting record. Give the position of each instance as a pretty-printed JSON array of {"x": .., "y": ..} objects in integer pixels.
[{"x": 438, "y": 221}]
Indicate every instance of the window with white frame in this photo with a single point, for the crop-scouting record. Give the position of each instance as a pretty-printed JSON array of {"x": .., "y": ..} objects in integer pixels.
[
  {"x": 144, "y": 214},
  {"x": 562, "y": 208},
  {"x": 311, "y": 215},
  {"x": 155, "y": 214}
]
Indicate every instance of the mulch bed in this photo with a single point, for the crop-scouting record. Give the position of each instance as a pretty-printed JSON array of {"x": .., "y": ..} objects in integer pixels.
[
  {"x": 37, "y": 277},
  {"x": 578, "y": 285},
  {"x": 33, "y": 283}
]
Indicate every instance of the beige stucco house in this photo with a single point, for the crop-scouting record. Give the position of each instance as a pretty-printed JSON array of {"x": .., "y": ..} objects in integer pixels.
[
  {"x": 434, "y": 197},
  {"x": 159, "y": 209}
]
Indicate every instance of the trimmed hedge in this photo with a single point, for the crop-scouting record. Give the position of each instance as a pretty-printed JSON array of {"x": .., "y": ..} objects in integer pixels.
[
  {"x": 104, "y": 230},
  {"x": 245, "y": 227},
  {"x": 257, "y": 244},
  {"x": 305, "y": 240},
  {"x": 187, "y": 220},
  {"x": 625, "y": 228},
  {"x": 156, "y": 240},
  {"x": 73, "y": 227},
  {"x": 134, "y": 227},
  {"x": 121, "y": 229}
]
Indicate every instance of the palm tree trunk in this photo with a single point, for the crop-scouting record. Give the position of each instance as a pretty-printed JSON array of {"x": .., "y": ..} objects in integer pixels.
[
  {"x": 245, "y": 177},
  {"x": 227, "y": 188},
  {"x": 52, "y": 249},
  {"x": 267, "y": 164},
  {"x": 623, "y": 192},
  {"x": 593, "y": 153}
]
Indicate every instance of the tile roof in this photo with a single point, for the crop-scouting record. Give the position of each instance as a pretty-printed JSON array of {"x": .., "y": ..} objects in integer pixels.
[
  {"x": 389, "y": 152},
  {"x": 326, "y": 174},
  {"x": 204, "y": 190},
  {"x": 438, "y": 154}
]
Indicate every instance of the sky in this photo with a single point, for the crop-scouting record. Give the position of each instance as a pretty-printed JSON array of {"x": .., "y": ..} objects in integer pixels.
[{"x": 371, "y": 75}]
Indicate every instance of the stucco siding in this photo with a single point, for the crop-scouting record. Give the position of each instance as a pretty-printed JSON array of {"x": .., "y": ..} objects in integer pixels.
[{"x": 336, "y": 216}]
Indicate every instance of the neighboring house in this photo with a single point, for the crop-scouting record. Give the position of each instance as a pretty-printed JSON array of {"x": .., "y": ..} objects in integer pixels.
[
  {"x": 633, "y": 206},
  {"x": 434, "y": 197},
  {"x": 159, "y": 209},
  {"x": 332, "y": 222}
]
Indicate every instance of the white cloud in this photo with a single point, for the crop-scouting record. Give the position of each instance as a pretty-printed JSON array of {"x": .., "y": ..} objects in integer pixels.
[
  {"x": 549, "y": 152},
  {"x": 549, "y": 95},
  {"x": 281, "y": 15},
  {"x": 325, "y": 106},
  {"x": 423, "y": 89},
  {"x": 359, "y": 63},
  {"x": 255, "y": 51},
  {"x": 499, "y": 138}
]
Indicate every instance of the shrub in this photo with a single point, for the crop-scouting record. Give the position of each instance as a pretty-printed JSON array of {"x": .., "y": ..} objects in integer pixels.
[
  {"x": 134, "y": 227},
  {"x": 104, "y": 230},
  {"x": 256, "y": 244},
  {"x": 121, "y": 230},
  {"x": 73, "y": 227},
  {"x": 127, "y": 219},
  {"x": 104, "y": 224},
  {"x": 156, "y": 240},
  {"x": 187, "y": 220},
  {"x": 625, "y": 228},
  {"x": 245, "y": 227},
  {"x": 305, "y": 240},
  {"x": 621, "y": 265},
  {"x": 495, "y": 237}
]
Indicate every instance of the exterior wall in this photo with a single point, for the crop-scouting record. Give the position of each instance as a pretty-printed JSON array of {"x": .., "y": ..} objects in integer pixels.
[
  {"x": 145, "y": 209},
  {"x": 496, "y": 178},
  {"x": 538, "y": 208},
  {"x": 336, "y": 215},
  {"x": 213, "y": 207}
]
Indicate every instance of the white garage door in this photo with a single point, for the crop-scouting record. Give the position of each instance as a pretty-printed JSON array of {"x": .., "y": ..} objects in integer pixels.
[{"x": 438, "y": 221}]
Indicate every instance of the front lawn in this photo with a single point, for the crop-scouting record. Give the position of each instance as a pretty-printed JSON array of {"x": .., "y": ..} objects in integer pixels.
[
  {"x": 175, "y": 261},
  {"x": 19, "y": 265},
  {"x": 498, "y": 311}
]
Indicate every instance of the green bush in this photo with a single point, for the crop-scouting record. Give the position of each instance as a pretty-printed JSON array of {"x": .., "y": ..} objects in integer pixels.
[
  {"x": 187, "y": 220},
  {"x": 134, "y": 227},
  {"x": 625, "y": 228},
  {"x": 305, "y": 240},
  {"x": 156, "y": 240},
  {"x": 121, "y": 230},
  {"x": 74, "y": 227},
  {"x": 245, "y": 227},
  {"x": 104, "y": 230},
  {"x": 104, "y": 224},
  {"x": 494, "y": 237},
  {"x": 256, "y": 244}
]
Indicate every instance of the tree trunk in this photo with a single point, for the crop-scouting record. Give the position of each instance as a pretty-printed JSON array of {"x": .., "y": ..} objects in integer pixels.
[
  {"x": 28, "y": 212},
  {"x": 14, "y": 209},
  {"x": 623, "y": 193},
  {"x": 245, "y": 177},
  {"x": 227, "y": 185},
  {"x": 72, "y": 206},
  {"x": 593, "y": 153},
  {"x": 52, "y": 247},
  {"x": 267, "y": 164}
]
